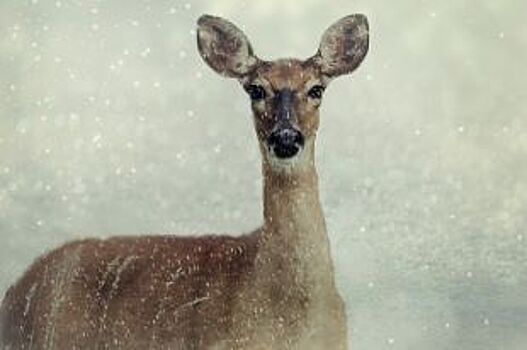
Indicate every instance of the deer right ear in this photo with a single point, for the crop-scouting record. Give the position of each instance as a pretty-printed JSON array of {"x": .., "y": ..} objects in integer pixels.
[{"x": 224, "y": 47}]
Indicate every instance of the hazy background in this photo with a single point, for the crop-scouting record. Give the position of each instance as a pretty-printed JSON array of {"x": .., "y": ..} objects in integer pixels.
[{"x": 110, "y": 123}]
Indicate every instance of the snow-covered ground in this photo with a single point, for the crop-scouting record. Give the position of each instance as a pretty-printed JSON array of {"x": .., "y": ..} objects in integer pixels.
[{"x": 110, "y": 123}]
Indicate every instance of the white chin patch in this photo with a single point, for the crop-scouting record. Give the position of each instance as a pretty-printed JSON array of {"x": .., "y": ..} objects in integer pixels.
[{"x": 287, "y": 164}]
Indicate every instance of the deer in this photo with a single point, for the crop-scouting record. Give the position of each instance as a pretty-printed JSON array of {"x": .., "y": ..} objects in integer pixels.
[{"x": 273, "y": 288}]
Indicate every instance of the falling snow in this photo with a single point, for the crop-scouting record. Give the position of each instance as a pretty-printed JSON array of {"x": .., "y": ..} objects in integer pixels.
[{"x": 111, "y": 123}]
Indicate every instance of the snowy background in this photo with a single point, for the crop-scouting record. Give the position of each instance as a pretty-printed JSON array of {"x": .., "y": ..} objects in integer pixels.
[{"x": 110, "y": 123}]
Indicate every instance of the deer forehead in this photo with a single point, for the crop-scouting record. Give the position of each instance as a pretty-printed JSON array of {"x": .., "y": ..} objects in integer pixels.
[{"x": 287, "y": 74}]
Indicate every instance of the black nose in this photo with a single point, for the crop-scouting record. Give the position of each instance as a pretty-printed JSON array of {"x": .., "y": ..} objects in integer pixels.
[{"x": 285, "y": 143}]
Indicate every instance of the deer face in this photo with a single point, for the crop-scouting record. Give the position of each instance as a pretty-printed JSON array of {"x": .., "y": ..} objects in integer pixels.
[{"x": 285, "y": 94}]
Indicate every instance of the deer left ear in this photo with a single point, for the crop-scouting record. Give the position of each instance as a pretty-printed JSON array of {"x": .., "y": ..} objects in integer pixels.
[
  {"x": 224, "y": 47},
  {"x": 343, "y": 46}
]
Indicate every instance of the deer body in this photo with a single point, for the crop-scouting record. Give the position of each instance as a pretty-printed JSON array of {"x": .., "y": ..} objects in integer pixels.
[{"x": 271, "y": 289}]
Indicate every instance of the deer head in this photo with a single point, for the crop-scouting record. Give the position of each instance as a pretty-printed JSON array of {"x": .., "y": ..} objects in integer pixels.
[{"x": 286, "y": 93}]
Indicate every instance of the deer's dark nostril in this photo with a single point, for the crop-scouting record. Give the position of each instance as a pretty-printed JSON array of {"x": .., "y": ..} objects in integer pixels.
[{"x": 286, "y": 143}]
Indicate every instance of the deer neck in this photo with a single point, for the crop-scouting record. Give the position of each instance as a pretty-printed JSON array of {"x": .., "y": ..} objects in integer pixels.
[{"x": 294, "y": 241}]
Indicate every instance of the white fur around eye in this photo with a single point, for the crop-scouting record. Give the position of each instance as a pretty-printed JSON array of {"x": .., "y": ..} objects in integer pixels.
[
  {"x": 265, "y": 85},
  {"x": 259, "y": 105},
  {"x": 309, "y": 86}
]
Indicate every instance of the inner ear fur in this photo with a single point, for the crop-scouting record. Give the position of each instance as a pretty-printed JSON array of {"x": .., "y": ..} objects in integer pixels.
[
  {"x": 343, "y": 46},
  {"x": 224, "y": 47}
]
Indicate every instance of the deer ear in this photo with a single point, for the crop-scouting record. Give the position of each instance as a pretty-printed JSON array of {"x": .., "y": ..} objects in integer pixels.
[
  {"x": 224, "y": 47},
  {"x": 343, "y": 46}
]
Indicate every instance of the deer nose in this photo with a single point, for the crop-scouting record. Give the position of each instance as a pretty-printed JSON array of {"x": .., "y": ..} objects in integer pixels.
[{"x": 285, "y": 143}]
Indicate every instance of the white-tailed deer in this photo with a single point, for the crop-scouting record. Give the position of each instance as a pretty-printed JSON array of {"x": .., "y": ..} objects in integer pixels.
[{"x": 271, "y": 289}]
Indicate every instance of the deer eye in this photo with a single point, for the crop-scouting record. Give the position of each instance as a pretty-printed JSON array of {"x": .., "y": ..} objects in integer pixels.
[
  {"x": 316, "y": 92},
  {"x": 256, "y": 92}
]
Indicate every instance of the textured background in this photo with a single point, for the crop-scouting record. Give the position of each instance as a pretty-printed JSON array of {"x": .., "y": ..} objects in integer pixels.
[{"x": 110, "y": 123}]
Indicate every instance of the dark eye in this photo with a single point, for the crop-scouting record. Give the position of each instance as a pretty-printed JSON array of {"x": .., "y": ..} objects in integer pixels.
[
  {"x": 256, "y": 92},
  {"x": 316, "y": 92}
]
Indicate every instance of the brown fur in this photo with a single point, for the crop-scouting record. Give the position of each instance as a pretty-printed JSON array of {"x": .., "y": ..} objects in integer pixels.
[
  {"x": 270, "y": 289},
  {"x": 140, "y": 291},
  {"x": 290, "y": 74}
]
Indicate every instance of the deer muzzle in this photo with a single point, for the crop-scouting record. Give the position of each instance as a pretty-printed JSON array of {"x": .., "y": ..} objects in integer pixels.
[
  {"x": 286, "y": 140},
  {"x": 285, "y": 143}
]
